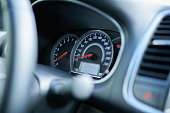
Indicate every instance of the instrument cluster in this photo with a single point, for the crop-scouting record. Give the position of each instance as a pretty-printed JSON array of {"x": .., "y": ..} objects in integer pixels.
[{"x": 93, "y": 53}]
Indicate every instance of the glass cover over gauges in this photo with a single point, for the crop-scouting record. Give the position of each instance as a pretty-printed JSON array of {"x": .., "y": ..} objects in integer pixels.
[
  {"x": 93, "y": 54},
  {"x": 60, "y": 55}
]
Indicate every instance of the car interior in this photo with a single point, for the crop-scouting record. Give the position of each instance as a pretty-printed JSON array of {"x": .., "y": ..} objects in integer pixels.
[{"x": 84, "y": 56}]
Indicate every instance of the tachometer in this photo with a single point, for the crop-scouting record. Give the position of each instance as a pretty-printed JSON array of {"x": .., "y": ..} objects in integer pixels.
[
  {"x": 60, "y": 55},
  {"x": 93, "y": 54}
]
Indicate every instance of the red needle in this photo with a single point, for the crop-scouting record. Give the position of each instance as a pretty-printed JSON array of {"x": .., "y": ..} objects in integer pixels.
[
  {"x": 118, "y": 46},
  {"x": 60, "y": 57},
  {"x": 85, "y": 56}
]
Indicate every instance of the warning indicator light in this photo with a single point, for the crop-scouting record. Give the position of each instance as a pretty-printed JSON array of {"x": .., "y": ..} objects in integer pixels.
[{"x": 148, "y": 95}]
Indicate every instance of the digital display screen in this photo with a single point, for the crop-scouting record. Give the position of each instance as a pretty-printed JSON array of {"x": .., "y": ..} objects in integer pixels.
[{"x": 89, "y": 68}]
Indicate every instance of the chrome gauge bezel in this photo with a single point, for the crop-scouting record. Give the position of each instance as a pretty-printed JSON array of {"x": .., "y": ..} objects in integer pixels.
[{"x": 84, "y": 36}]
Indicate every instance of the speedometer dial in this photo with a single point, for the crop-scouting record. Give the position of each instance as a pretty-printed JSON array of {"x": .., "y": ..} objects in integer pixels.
[
  {"x": 60, "y": 55},
  {"x": 93, "y": 54}
]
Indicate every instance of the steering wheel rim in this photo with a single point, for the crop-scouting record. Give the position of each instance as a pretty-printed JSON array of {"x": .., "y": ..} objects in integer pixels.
[{"x": 19, "y": 23}]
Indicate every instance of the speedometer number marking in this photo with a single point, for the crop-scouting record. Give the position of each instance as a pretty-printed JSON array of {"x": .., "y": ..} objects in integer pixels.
[{"x": 94, "y": 49}]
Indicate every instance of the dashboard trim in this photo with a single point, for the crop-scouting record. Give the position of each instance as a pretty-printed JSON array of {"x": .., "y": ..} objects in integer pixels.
[
  {"x": 109, "y": 18},
  {"x": 134, "y": 65}
]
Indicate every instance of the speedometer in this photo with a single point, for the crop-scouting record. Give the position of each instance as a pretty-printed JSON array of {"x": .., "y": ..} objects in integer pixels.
[{"x": 93, "y": 54}]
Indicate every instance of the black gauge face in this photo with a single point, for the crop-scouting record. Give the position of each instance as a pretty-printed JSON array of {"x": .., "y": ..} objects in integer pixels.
[
  {"x": 93, "y": 54},
  {"x": 60, "y": 55}
]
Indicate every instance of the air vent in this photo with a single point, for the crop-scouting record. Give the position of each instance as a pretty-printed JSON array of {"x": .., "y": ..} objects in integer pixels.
[{"x": 156, "y": 59}]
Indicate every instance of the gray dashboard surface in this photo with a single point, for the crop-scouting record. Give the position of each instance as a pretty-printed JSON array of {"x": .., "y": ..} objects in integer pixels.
[{"x": 134, "y": 17}]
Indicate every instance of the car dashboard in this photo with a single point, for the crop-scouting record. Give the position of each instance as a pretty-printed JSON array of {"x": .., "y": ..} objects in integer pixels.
[
  {"x": 78, "y": 45},
  {"x": 107, "y": 41},
  {"x": 124, "y": 46}
]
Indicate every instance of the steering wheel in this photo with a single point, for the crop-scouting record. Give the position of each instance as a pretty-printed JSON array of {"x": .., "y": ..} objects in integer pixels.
[
  {"x": 21, "y": 88},
  {"x": 18, "y": 20}
]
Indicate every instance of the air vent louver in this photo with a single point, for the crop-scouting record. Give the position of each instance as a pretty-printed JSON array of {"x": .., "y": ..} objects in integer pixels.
[{"x": 156, "y": 59}]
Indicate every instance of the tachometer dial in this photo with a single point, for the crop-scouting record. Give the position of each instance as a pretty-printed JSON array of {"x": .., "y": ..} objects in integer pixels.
[
  {"x": 60, "y": 55},
  {"x": 93, "y": 54}
]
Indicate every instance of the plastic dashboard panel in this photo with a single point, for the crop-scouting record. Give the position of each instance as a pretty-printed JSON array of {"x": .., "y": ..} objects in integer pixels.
[
  {"x": 142, "y": 21},
  {"x": 134, "y": 65},
  {"x": 134, "y": 18}
]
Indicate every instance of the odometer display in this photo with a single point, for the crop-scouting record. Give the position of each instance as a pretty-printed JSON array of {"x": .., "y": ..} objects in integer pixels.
[{"x": 93, "y": 54}]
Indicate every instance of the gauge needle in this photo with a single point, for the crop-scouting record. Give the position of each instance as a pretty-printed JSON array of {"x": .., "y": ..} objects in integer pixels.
[
  {"x": 60, "y": 57},
  {"x": 118, "y": 46},
  {"x": 85, "y": 56}
]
